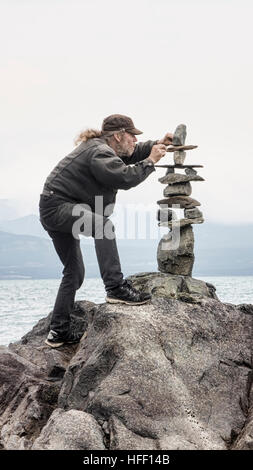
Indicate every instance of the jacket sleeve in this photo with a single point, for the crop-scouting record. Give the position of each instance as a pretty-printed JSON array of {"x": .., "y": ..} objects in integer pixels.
[
  {"x": 111, "y": 171},
  {"x": 142, "y": 150}
]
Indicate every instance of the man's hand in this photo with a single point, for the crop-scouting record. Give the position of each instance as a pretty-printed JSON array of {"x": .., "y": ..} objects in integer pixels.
[
  {"x": 167, "y": 140},
  {"x": 158, "y": 151}
]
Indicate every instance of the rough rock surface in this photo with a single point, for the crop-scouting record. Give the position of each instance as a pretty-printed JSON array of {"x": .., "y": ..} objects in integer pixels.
[
  {"x": 176, "y": 260},
  {"x": 178, "y": 189},
  {"x": 182, "y": 201},
  {"x": 179, "y": 135},
  {"x": 179, "y": 157},
  {"x": 70, "y": 430},
  {"x": 190, "y": 171},
  {"x": 182, "y": 222},
  {"x": 170, "y": 374},
  {"x": 179, "y": 178},
  {"x": 193, "y": 213}
]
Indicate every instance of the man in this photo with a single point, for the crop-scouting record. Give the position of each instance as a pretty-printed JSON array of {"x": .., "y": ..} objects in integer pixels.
[{"x": 89, "y": 178}]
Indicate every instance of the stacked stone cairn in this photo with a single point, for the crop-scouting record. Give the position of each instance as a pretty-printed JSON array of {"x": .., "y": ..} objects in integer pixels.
[{"x": 177, "y": 193}]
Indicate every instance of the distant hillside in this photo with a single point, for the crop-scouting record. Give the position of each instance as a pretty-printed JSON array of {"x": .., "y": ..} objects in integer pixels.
[
  {"x": 219, "y": 250},
  {"x": 28, "y": 225},
  {"x": 27, "y": 256}
]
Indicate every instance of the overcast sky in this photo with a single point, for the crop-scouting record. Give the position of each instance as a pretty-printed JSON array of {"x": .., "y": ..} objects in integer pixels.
[{"x": 66, "y": 64}]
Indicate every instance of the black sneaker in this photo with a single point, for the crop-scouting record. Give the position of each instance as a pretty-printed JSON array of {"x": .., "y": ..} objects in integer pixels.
[
  {"x": 54, "y": 340},
  {"x": 127, "y": 294}
]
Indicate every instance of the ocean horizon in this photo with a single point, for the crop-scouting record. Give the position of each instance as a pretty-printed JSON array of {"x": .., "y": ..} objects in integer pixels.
[{"x": 24, "y": 302}]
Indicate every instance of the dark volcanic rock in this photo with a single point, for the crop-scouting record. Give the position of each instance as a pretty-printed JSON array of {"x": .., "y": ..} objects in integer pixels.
[{"x": 175, "y": 373}]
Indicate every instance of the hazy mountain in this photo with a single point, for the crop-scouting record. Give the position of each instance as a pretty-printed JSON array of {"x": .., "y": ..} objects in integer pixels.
[
  {"x": 28, "y": 225},
  {"x": 27, "y": 250},
  {"x": 219, "y": 250},
  {"x": 27, "y": 256}
]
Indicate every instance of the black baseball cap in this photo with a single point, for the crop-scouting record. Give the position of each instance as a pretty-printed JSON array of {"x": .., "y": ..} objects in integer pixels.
[{"x": 118, "y": 122}]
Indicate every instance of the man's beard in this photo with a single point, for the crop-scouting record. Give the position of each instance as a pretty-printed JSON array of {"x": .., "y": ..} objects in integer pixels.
[{"x": 123, "y": 153}]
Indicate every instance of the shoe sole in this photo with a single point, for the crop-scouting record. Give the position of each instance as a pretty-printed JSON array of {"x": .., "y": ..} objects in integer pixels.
[
  {"x": 110, "y": 300},
  {"x": 54, "y": 345},
  {"x": 57, "y": 345}
]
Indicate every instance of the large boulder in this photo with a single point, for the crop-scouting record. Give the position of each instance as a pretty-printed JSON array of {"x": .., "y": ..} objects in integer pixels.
[
  {"x": 30, "y": 378},
  {"x": 175, "y": 373},
  {"x": 169, "y": 371}
]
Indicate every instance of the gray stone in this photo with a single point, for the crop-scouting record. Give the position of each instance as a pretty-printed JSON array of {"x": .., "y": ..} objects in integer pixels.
[
  {"x": 169, "y": 170},
  {"x": 164, "y": 215},
  {"x": 182, "y": 222},
  {"x": 178, "y": 189},
  {"x": 70, "y": 430},
  {"x": 190, "y": 171},
  {"x": 245, "y": 439},
  {"x": 31, "y": 373},
  {"x": 179, "y": 157},
  {"x": 193, "y": 213},
  {"x": 121, "y": 438},
  {"x": 179, "y": 178},
  {"x": 27, "y": 399},
  {"x": 172, "y": 286},
  {"x": 179, "y": 260},
  {"x": 183, "y": 201},
  {"x": 179, "y": 135}
]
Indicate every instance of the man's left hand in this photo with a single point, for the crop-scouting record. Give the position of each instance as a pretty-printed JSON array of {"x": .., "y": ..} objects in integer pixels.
[{"x": 167, "y": 140}]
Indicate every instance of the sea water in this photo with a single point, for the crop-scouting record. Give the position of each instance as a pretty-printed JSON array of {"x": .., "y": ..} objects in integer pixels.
[{"x": 24, "y": 302}]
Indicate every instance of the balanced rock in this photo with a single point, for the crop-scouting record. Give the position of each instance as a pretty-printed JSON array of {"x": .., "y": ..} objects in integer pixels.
[
  {"x": 180, "y": 260},
  {"x": 169, "y": 170},
  {"x": 178, "y": 189},
  {"x": 182, "y": 222},
  {"x": 179, "y": 135},
  {"x": 164, "y": 215},
  {"x": 192, "y": 213},
  {"x": 183, "y": 201},
  {"x": 179, "y": 157},
  {"x": 190, "y": 171},
  {"x": 173, "y": 178}
]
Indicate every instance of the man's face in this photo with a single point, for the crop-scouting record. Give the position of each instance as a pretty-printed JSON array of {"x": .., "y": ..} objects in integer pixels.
[{"x": 127, "y": 144}]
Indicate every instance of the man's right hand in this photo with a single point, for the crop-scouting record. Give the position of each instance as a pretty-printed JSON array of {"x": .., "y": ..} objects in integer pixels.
[{"x": 158, "y": 151}]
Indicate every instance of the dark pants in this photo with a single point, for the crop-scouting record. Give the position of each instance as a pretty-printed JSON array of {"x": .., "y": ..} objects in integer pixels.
[{"x": 57, "y": 219}]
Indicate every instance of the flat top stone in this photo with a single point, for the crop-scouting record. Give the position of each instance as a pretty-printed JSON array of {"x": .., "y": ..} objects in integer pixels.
[
  {"x": 179, "y": 166},
  {"x": 174, "y": 148},
  {"x": 184, "y": 201},
  {"x": 181, "y": 222},
  {"x": 173, "y": 178}
]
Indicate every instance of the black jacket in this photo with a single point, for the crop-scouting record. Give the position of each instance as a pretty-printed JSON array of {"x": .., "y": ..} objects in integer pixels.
[{"x": 93, "y": 169}]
